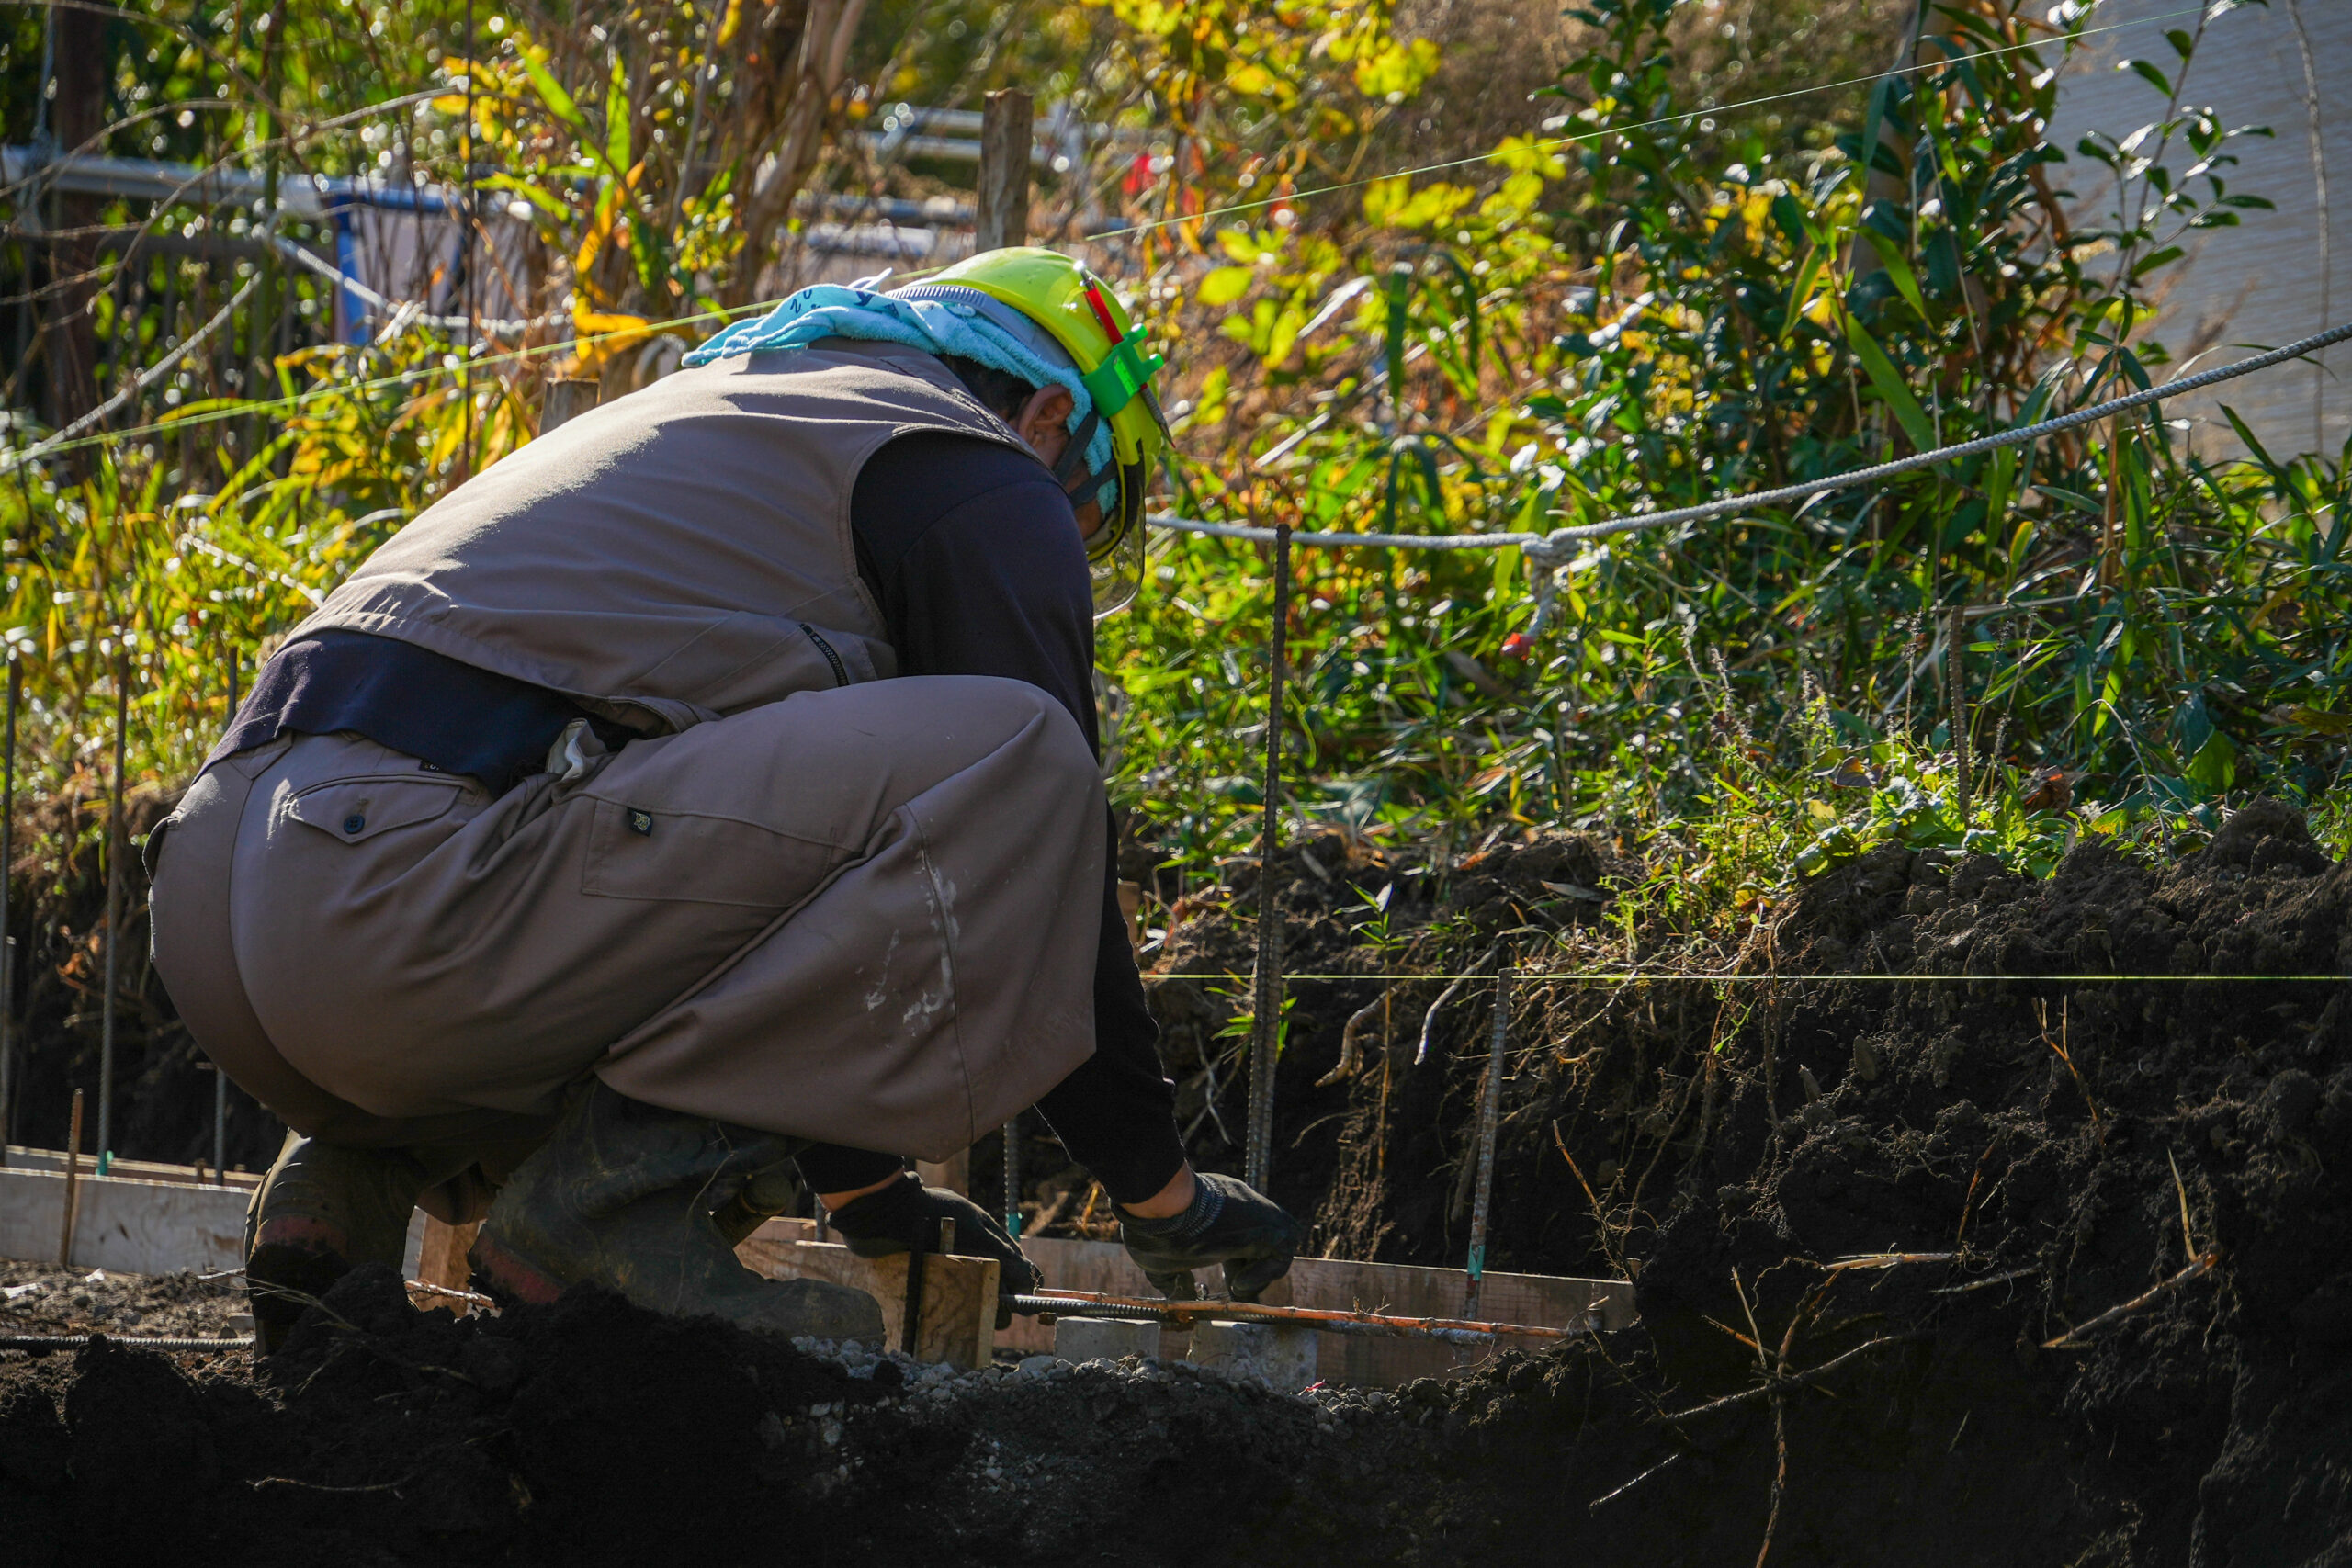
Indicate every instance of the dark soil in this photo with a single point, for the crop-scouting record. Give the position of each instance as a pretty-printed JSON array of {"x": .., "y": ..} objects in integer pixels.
[
  {"x": 35, "y": 1299},
  {"x": 1926, "y": 1092},
  {"x": 592, "y": 1432}
]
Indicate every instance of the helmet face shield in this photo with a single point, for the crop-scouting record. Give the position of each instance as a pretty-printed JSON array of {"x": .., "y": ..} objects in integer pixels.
[{"x": 1114, "y": 555}]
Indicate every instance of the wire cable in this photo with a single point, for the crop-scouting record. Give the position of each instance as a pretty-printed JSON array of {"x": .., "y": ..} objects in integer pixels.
[{"x": 1558, "y": 538}]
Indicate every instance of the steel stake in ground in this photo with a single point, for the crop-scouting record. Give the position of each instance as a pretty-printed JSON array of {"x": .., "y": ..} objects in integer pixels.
[
  {"x": 1956, "y": 689},
  {"x": 219, "y": 1078},
  {"x": 114, "y": 907},
  {"x": 8, "y": 1074},
  {"x": 1489, "y": 1120},
  {"x": 1012, "y": 1176},
  {"x": 1266, "y": 992}
]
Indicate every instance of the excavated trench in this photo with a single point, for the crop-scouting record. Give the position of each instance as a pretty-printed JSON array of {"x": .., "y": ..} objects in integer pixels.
[{"x": 2014, "y": 1155}]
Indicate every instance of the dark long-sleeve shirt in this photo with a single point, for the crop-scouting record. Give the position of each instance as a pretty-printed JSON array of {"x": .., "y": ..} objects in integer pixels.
[{"x": 973, "y": 554}]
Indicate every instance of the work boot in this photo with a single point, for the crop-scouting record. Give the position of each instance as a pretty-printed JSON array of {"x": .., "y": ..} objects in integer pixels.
[
  {"x": 765, "y": 1193},
  {"x": 621, "y": 1196},
  {"x": 322, "y": 1210}
]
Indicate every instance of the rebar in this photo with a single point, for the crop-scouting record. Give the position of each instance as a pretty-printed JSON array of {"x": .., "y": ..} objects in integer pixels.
[
  {"x": 1012, "y": 1176},
  {"x": 114, "y": 910},
  {"x": 1956, "y": 686},
  {"x": 1489, "y": 1121},
  {"x": 221, "y": 1079},
  {"x": 1266, "y": 991},
  {"x": 8, "y": 867},
  {"x": 47, "y": 1342},
  {"x": 1323, "y": 1320}
]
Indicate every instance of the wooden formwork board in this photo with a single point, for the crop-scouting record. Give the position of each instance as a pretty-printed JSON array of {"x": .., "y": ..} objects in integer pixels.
[
  {"x": 435, "y": 1254},
  {"x": 17, "y": 1156},
  {"x": 127, "y": 1226},
  {"x": 958, "y": 1306},
  {"x": 1540, "y": 1301}
]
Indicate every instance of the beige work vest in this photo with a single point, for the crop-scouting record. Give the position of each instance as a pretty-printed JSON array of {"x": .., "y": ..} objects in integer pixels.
[{"x": 678, "y": 554}]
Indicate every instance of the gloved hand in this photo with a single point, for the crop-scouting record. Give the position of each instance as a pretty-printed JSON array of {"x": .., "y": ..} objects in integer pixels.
[
  {"x": 892, "y": 1218},
  {"x": 1227, "y": 1222}
]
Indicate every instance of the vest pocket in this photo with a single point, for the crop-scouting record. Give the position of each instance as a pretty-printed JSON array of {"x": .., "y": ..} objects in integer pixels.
[
  {"x": 743, "y": 660},
  {"x": 638, "y": 851},
  {"x": 355, "y": 810}
]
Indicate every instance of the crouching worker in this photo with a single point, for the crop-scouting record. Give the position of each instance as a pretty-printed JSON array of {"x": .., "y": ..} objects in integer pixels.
[{"x": 701, "y": 801}]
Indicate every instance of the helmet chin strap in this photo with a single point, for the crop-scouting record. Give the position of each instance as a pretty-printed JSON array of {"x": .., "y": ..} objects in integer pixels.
[{"x": 1073, "y": 463}]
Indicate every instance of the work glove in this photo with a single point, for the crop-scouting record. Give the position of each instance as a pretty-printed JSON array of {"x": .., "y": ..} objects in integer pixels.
[
  {"x": 905, "y": 1215},
  {"x": 1227, "y": 1222}
]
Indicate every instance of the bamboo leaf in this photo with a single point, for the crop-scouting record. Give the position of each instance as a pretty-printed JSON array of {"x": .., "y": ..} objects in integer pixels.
[
  {"x": 1898, "y": 267},
  {"x": 558, "y": 102},
  {"x": 1890, "y": 385},
  {"x": 618, "y": 115}
]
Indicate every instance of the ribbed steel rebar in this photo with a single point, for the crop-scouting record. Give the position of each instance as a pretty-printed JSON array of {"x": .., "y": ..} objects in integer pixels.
[
  {"x": 9, "y": 1077},
  {"x": 1266, "y": 990},
  {"x": 1489, "y": 1119},
  {"x": 1012, "y": 1176},
  {"x": 219, "y": 1078},
  {"x": 114, "y": 907},
  {"x": 136, "y": 1342}
]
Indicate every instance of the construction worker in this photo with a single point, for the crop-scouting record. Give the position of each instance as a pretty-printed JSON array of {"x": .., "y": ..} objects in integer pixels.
[{"x": 701, "y": 801}]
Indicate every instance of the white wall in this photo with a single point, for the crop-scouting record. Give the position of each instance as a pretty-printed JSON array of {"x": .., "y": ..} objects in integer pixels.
[{"x": 2271, "y": 279}]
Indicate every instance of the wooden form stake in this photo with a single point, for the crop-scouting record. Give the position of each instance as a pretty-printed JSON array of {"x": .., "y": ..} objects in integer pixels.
[
  {"x": 73, "y": 1182},
  {"x": 442, "y": 1262},
  {"x": 566, "y": 398},
  {"x": 1004, "y": 171},
  {"x": 1266, "y": 987},
  {"x": 1489, "y": 1125},
  {"x": 953, "y": 1299},
  {"x": 114, "y": 907}
]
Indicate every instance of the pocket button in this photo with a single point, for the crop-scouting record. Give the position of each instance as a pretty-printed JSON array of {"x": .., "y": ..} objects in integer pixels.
[
  {"x": 640, "y": 822},
  {"x": 354, "y": 823}
]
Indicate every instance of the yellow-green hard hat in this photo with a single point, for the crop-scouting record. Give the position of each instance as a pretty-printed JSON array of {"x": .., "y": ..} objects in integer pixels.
[{"x": 1082, "y": 314}]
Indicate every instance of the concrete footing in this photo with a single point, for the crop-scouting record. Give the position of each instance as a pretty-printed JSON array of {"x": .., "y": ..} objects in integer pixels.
[
  {"x": 1104, "y": 1338},
  {"x": 1280, "y": 1354}
]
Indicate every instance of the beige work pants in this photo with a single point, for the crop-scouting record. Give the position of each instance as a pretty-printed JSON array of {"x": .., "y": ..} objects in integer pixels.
[{"x": 866, "y": 916}]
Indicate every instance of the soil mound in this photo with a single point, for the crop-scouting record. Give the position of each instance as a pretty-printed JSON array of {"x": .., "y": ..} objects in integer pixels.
[
  {"x": 1973, "y": 1220},
  {"x": 594, "y": 1432}
]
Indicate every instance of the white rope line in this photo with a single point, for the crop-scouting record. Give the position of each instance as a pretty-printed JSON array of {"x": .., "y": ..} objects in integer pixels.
[
  {"x": 1541, "y": 545},
  {"x": 492, "y": 326},
  {"x": 139, "y": 383}
]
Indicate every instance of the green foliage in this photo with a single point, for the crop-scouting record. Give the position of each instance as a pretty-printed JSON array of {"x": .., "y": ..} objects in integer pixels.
[
  {"x": 1642, "y": 303},
  {"x": 1649, "y": 312}
]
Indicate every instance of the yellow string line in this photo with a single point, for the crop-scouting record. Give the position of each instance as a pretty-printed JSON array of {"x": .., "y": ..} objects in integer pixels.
[
  {"x": 1947, "y": 62},
  {"x": 1627, "y": 977}
]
